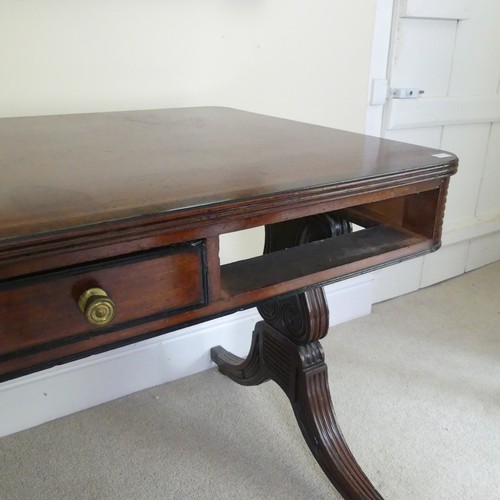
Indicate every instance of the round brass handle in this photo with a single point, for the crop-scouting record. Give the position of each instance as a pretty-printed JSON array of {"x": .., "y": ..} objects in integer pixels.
[{"x": 98, "y": 308}]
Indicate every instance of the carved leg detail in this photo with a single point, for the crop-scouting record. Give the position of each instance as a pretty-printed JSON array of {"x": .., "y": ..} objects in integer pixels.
[
  {"x": 243, "y": 371},
  {"x": 302, "y": 374},
  {"x": 316, "y": 418}
]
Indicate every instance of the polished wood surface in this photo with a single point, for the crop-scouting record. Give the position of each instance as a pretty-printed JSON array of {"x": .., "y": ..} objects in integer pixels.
[
  {"x": 61, "y": 172},
  {"x": 38, "y": 311},
  {"x": 134, "y": 203}
]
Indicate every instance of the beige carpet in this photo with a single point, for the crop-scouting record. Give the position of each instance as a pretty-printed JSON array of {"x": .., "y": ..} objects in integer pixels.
[{"x": 416, "y": 387}]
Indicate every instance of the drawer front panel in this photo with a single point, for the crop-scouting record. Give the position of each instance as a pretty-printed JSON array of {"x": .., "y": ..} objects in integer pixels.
[{"x": 43, "y": 310}]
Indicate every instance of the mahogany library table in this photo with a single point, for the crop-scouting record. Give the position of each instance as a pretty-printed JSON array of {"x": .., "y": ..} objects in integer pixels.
[{"x": 110, "y": 225}]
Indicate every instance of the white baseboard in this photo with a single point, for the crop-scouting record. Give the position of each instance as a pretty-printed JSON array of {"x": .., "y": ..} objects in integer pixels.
[
  {"x": 34, "y": 399},
  {"x": 483, "y": 250},
  {"x": 465, "y": 247}
]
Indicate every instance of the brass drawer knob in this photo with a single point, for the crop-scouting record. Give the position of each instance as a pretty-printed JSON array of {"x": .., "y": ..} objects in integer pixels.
[{"x": 98, "y": 308}]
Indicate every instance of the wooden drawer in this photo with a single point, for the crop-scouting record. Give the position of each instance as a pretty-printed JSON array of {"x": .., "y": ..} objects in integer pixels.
[{"x": 42, "y": 312}]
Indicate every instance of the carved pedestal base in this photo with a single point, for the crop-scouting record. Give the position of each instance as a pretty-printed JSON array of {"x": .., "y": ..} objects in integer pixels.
[{"x": 301, "y": 372}]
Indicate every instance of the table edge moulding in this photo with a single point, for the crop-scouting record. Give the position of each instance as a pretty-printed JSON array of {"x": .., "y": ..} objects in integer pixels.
[{"x": 110, "y": 225}]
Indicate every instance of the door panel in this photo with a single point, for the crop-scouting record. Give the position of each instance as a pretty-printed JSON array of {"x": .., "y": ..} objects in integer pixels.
[
  {"x": 436, "y": 9},
  {"x": 451, "y": 50},
  {"x": 489, "y": 194},
  {"x": 476, "y": 67},
  {"x": 423, "y": 55},
  {"x": 469, "y": 143}
]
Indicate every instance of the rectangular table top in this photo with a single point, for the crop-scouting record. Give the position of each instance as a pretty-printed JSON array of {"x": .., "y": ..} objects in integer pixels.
[{"x": 69, "y": 171}]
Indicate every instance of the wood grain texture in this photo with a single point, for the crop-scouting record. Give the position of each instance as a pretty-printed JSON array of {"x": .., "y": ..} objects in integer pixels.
[
  {"x": 85, "y": 244},
  {"x": 71, "y": 171},
  {"x": 43, "y": 309},
  {"x": 323, "y": 261}
]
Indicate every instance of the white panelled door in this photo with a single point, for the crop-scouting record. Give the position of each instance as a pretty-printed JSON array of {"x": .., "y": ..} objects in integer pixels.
[{"x": 450, "y": 50}]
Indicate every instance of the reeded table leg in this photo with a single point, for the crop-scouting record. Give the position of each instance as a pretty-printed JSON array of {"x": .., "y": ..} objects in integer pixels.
[
  {"x": 286, "y": 348},
  {"x": 301, "y": 372}
]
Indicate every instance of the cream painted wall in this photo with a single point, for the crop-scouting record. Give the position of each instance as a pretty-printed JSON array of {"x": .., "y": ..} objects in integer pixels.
[
  {"x": 307, "y": 61},
  {"x": 302, "y": 60}
]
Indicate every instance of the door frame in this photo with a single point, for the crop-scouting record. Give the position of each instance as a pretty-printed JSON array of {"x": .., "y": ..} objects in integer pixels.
[{"x": 379, "y": 61}]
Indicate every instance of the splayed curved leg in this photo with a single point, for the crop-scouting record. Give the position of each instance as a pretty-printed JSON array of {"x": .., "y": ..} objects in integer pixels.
[
  {"x": 301, "y": 372},
  {"x": 243, "y": 371},
  {"x": 313, "y": 409}
]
